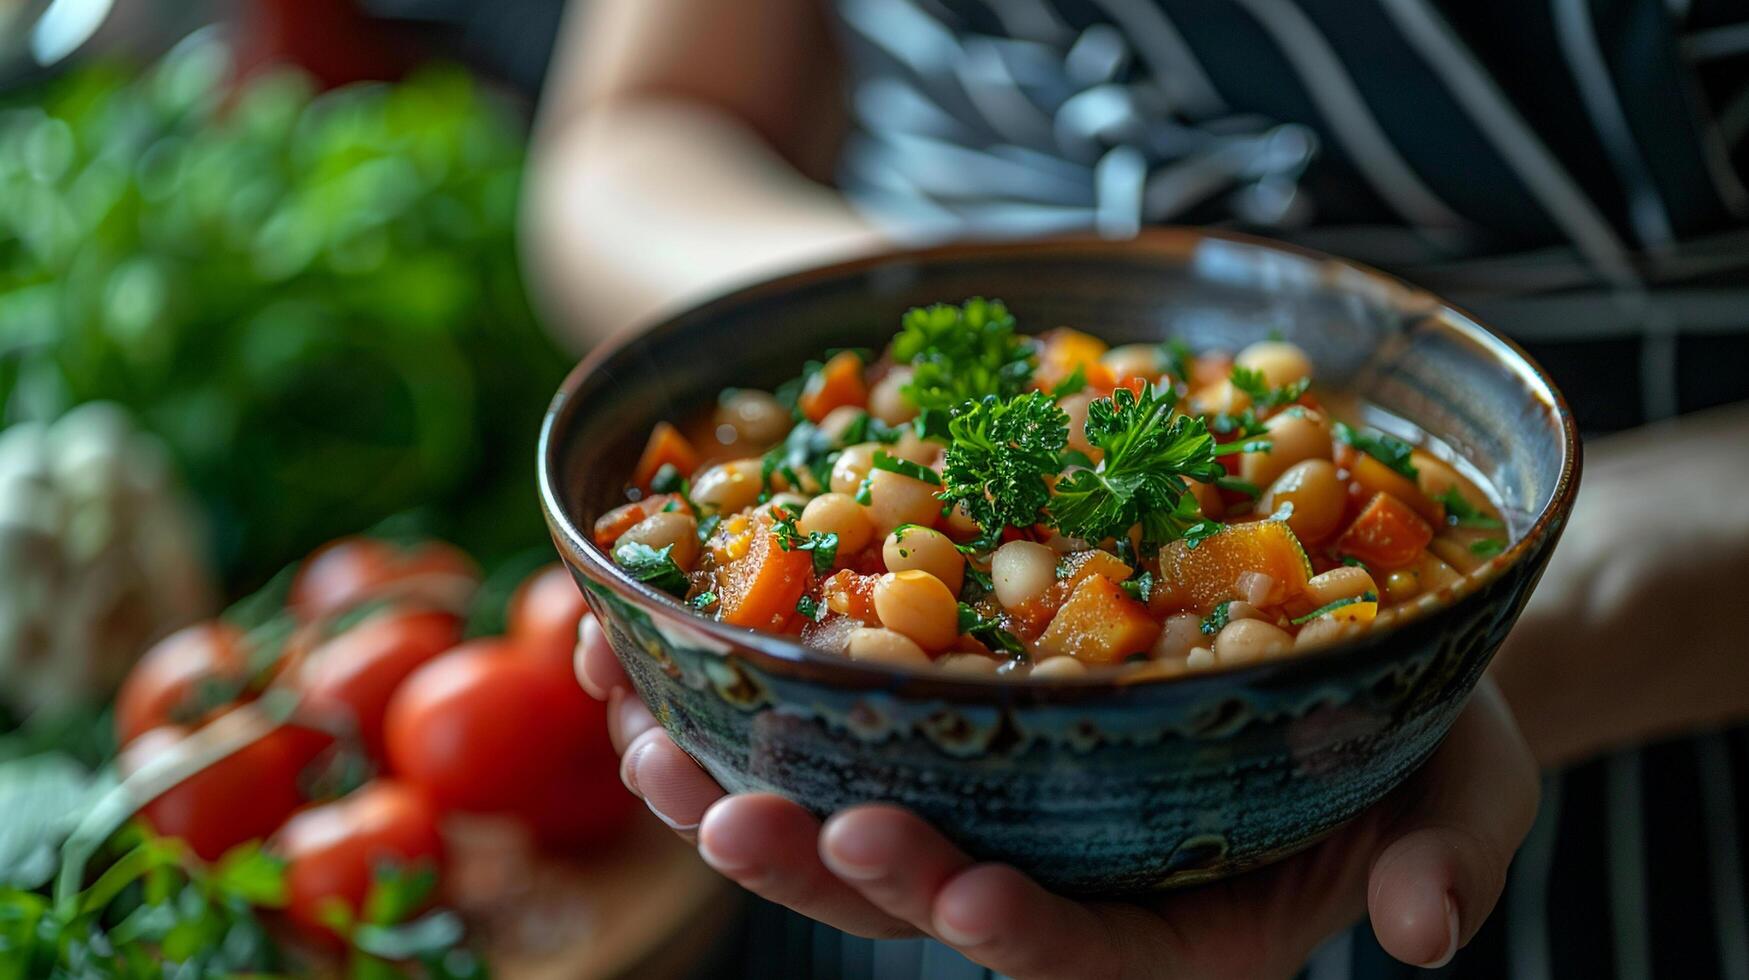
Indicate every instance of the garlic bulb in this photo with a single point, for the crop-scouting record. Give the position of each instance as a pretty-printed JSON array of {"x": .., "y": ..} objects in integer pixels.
[{"x": 100, "y": 554}]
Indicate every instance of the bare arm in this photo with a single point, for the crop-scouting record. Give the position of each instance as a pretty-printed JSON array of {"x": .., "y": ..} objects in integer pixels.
[
  {"x": 1640, "y": 629},
  {"x": 678, "y": 153}
]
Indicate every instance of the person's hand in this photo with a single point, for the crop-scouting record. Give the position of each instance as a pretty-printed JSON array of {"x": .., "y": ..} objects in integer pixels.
[{"x": 1427, "y": 864}]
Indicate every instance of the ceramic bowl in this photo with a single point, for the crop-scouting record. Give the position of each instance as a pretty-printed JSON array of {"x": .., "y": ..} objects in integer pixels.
[{"x": 1111, "y": 784}]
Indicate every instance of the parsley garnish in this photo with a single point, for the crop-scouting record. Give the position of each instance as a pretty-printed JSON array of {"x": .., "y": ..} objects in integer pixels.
[
  {"x": 1148, "y": 456},
  {"x": 815, "y": 611},
  {"x": 704, "y": 600},
  {"x": 884, "y": 460},
  {"x": 653, "y": 567},
  {"x": 1389, "y": 450},
  {"x": 978, "y": 585},
  {"x": 1461, "y": 513},
  {"x": 1201, "y": 531},
  {"x": 1074, "y": 384},
  {"x": 1217, "y": 618},
  {"x": 1175, "y": 358},
  {"x": 1331, "y": 607},
  {"x": 867, "y": 428},
  {"x": 989, "y": 632},
  {"x": 1263, "y": 397},
  {"x": 1487, "y": 547},
  {"x": 1237, "y": 485},
  {"x": 824, "y": 544},
  {"x": 806, "y": 449},
  {"x": 1140, "y": 587},
  {"x": 1000, "y": 455},
  {"x": 961, "y": 353}
]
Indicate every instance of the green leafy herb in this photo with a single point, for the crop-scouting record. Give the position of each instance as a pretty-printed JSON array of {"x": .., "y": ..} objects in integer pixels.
[
  {"x": 962, "y": 353},
  {"x": 978, "y": 585},
  {"x": 1149, "y": 455},
  {"x": 1461, "y": 513},
  {"x": 1175, "y": 358},
  {"x": 704, "y": 600},
  {"x": 865, "y": 491},
  {"x": 1487, "y": 547},
  {"x": 1245, "y": 425},
  {"x": 884, "y": 460},
  {"x": 1217, "y": 618},
  {"x": 1140, "y": 587},
  {"x": 1201, "y": 531},
  {"x": 1353, "y": 562},
  {"x": 1000, "y": 456},
  {"x": 867, "y": 428},
  {"x": 1263, "y": 397},
  {"x": 1330, "y": 607},
  {"x": 989, "y": 632},
  {"x": 1237, "y": 485},
  {"x": 806, "y": 449},
  {"x": 1073, "y": 457},
  {"x": 1389, "y": 450},
  {"x": 653, "y": 567},
  {"x": 823, "y": 544},
  {"x": 808, "y": 607},
  {"x": 789, "y": 394},
  {"x": 667, "y": 479},
  {"x": 1074, "y": 384},
  {"x": 708, "y": 525}
]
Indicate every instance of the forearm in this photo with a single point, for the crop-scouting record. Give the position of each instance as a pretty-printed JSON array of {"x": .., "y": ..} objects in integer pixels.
[
  {"x": 640, "y": 206},
  {"x": 1638, "y": 628}
]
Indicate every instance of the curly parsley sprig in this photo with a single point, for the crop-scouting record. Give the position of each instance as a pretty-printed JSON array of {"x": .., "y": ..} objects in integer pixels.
[
  {"x": 959, "y": 354},
  {"x": 1000, "y": 457}
]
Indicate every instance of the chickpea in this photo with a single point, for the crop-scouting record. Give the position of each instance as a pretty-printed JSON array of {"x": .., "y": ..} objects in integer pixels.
[
  {"x": 915, "y": 448},
  {"x": 1293, "y": 435},
  {"x": 1403, "y": 584},
  {"x": 838, "y": 421},
  {"x": 883, "y": 646},
  {"x": 1240, "y": 609},
  {"x": 840, "y": 514},
  {"x": 756, "y": 416},
  {"x": 1022, "y": 571},
  {"x": 927, "y": 550},
  {"x": 967, "y": 665},
  {"x": 1133, "y": 361},
  {"x": 960, "y": 524},
  {"x": 787, "y": 503},
  {"x": 1220, "y": 397},
  {"x": 673, "y": 527},
  {"x": 887, "y": 400},
  {"x": 1345, "y": 582},
  {"x": 1059, "y": 668},
  {"x": 918, "y": 605},
  {"x": 1318, "y": 496},
  {"x": 895, "y": 499},
  {"x": 1247, "y": 640},
  {"x": 1200, "y": 658},
  {"x": 1181, "y": 634},
  {"x": 1280, "y": 362},
  {"x": 852, "y": 466},
  {"x": 1075, "y": 406},
  {"x": 728, "y": 487},
  {"x": 1324, "y": 631}
]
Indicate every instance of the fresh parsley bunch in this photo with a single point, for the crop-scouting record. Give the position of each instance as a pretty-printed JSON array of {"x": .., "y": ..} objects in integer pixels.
[
  {"x": 1149, "y": 455},
  {"x": 961, "y": 353},
  {"x": 999, "y": 457}
]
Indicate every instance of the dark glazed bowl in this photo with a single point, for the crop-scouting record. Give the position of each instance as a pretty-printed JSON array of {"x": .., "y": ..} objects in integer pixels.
[{"x": 1104, "y": 785}]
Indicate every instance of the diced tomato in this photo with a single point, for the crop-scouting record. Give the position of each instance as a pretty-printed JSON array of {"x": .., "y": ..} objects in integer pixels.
[
  {"x": 667, "y": 447},
  {"x": 1388, "y": 534},
  {"x": 837, "y": 384}
]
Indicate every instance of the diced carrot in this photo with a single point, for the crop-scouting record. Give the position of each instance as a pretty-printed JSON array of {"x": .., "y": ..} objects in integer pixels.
[
  {"x": 1065, "y": 350},
  {"x": 667, "y": 447},
  {"x": 1376, "y": 477},
  {"x": 1082, "y": 564},
  {"x": 1388, "y": 534},
  {"x": 1100, "y": 624},
  {"x": 837, "y": 384},
  {"x": 1209, "y": 573},
  {"x": 760, "y": 589},
  {"x": 609, "y": 526}
]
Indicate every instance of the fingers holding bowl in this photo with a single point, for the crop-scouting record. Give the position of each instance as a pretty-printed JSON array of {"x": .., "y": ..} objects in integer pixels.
[{"x": 597, "y": 669}]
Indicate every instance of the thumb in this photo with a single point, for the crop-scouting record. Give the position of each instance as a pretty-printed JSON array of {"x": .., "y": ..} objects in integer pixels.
[{"x": 1434, "y": 885}]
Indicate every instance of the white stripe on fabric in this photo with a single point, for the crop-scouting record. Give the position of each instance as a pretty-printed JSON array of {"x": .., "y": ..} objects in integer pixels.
[
  {"x": 1625, "y": 833},
  {"x": 1718, "y": 798},
  {"x": 1512, "y": 138},
  {"x": 1118, "y": 180},
  {"x": 1328, "y": 83},
  {"x": 1578, "y": 39},
  {"x": 1334, "y": 960},
  {"x": 1717, "y": 42},
  {"x": 1034, "y": 20},
  {"x": 1527, "y": 891},
  {"x": 1175, "y": 66}
]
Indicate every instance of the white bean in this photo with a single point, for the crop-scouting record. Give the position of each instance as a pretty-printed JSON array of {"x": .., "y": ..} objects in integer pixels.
[{"x": 1022, "y": 571}]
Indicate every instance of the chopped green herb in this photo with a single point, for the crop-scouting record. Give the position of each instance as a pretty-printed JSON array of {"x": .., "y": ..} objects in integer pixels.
[
  {"x": 1331, "y": 607},
  {"x": 1461, "y": 513},
  {"x": 667, "y": 479},
  {"x": 1217, "y": 619},
  {"x": 1149, "y": 455},
  {"x": 653, "y": 567},
  {"x": 1487, "y": 547},
  {"x": 704, "y": 600},
  {"x": 1074, "y": 384},
  {"x": 1140, "y": 587},
  {"x": 1353, "y": 562},
  {"x": 962, "y": 353},
  {"x": 864, "y": 491},
  {"x": 1245, "y": 425},
  {"x": 1263, "y": 397},
  {"x": 1239, "y": 486},
  {"x": 1389, "y": 450},
  {"x": 989, "y": 632},
  {"x": 823, "y": 544},
  {"x": 1000, "y": 456},
  {"x": 884, "y": 460},
  {"x": 1175, "y": 359},
  {"x": 815, "y": 611},
  {"x": 1073, "y": 457},
  {"x": 978, "y": 585},
  {"x": 867, "y": 428},
  {"x": 708, "y": 525},
  {"x": 1201, "y": 531}
]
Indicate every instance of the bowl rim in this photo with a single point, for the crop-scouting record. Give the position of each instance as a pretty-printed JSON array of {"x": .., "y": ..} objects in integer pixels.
[{"x": 786, "y": 655}]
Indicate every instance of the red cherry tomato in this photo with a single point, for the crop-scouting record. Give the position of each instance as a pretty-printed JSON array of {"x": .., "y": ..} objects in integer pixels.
[
  {"x": 489, "y": 728},
  {"x": 243, "y": 797},
  {"x": 545, "y": 611},
  {"x": 344, "y": 573},
  {"x": 166, "y": 684},
  {"x": 352, "y": 676},
  {"x": 332, "y": 851}
]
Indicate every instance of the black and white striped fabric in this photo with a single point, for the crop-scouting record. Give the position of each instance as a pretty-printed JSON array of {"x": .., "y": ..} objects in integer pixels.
[{"x": 1571, "y": 170}]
